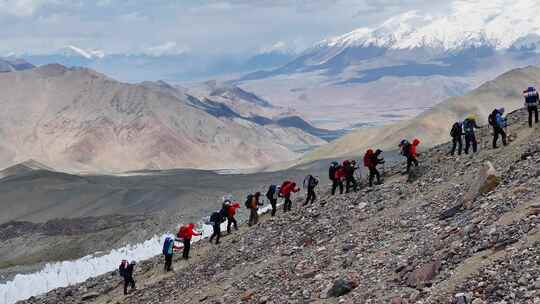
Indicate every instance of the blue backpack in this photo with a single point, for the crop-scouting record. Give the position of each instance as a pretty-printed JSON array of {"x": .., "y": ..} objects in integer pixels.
[
  {"x": 531, "y": 96},
  {"x": 271, "y": 192},
  {"x": 166, "y": 245}
]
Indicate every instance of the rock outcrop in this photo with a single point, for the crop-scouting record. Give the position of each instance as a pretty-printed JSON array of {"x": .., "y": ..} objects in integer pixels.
[{"x": 485, "y": 181}]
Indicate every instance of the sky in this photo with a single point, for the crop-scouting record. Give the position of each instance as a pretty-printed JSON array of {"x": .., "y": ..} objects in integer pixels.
[{"x": 160, "y": 27}]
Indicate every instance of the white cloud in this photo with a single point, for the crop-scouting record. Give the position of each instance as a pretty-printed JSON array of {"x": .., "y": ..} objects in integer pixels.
[
  {"x": 167, "y": 48},
  {"x": 280, "y": 46},
  {"x": 169, "y": 26},
  {"x": 133, "y": 17},
  {"x": 22, "y": 8}
]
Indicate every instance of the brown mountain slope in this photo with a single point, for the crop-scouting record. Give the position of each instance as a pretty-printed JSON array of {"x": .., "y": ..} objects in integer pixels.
[
  {"x": 400, "y": 242},
  {"x": 433, "y": 126},
  {"x": 77, "y": 119}
]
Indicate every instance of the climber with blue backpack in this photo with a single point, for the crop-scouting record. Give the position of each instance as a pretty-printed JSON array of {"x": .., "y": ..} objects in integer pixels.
[
  {"x": 531, "y": 103},
  {"x": 498, "y": 122},
  {"x": 272, "y": 196},
  {"x": 469, "y": 125},
  {"x": 168, "y": 252}
]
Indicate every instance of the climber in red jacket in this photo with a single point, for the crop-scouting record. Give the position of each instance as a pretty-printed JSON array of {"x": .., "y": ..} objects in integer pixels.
[
  {"x": 339, "y": 177},
  {"x": 185, "y": 234},
  {"x": 287, "y": 188},
  {"x": 231, "y": 213}
]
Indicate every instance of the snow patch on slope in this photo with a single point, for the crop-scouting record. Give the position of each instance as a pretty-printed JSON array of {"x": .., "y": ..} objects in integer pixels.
[{"x": 88, "y": 54}]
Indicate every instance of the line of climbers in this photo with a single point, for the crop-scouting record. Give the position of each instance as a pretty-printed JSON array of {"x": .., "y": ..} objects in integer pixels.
[
  {"x": 228, "y": 212},
  {"x": 496, "y": 120},
  {"x": 341, "y": 175}
]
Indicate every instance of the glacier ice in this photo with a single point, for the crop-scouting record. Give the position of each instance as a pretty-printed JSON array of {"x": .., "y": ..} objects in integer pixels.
[{"x": 62, "y": 274}]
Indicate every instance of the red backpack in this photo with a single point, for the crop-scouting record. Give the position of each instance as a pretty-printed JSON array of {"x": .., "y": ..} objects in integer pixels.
[
  {"x": 367, "y": 158},
  {"x": 183, "y": 233},
  {"x": 284, "y": 189}
]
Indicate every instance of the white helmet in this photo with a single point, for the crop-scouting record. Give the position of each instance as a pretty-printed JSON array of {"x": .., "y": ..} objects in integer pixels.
[{"x": 227, "y": 198}]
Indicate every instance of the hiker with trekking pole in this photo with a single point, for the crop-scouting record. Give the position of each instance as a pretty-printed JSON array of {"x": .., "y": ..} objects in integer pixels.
[
  {"x": 310, "y": 183},
  {"x": 272, "y": 196},
  {"x": 126, "y": 271},
  {"x": 469, "y": 127},
  {"x": 185, "y": 234},
  {"x": 498, "y": 122},
  {"x": 350, "y": 180},
  {"x": 371, "y": 161},
  {"x": 531, "y": 103}
]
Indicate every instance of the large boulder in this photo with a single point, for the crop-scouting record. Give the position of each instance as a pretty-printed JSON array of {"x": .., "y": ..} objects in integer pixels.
[
  {"x": 423, "y": 275},
  {"x": 341, "y": 287},
  {"x": 486, "y": 181},
  {"x": 90, "y": 296}
]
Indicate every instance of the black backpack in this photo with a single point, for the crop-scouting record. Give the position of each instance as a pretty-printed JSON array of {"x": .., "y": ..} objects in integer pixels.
[
  {"x": 406, "y": 149},
  {"x": 492, "y": 117},
  {"x": 248, "y": 201},
  {"x": 456, "y": 130},
  {"x": 271, "y": 192},
  {"x": 310, "y": 181},
  {"x": 217, "y": 217},
  {"x": 122, "y": 268}
]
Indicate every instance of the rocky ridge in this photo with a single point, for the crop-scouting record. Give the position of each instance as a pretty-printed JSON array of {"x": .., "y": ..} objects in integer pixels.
[{"x": 413, "y": 241}]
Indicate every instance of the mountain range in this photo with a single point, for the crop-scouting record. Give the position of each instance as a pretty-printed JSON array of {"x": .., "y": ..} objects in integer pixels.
[
  {"x": 75, "y": 119},
  {"x": 15, "y": 64},
  {"x": 180, "y": 66},
  {"x": 405, "y": 65}
]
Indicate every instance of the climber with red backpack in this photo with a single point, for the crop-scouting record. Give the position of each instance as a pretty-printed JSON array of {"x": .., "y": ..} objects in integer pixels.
[
  {"x": 409, "y": 151},
  {"x": 371, "y": 160},
  {"x": 185, "y": 233},
  {"x": 337, "y": 175},
  {"x": 287, "y": 188},
  {"x": 229, "y": 209}
]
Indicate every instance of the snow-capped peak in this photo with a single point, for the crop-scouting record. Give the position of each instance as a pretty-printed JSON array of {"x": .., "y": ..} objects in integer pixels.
[
  {"x": 278, "y": 47},
  {"x": 88, "y": 54},
  {"x": 495, "y": 23}
]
